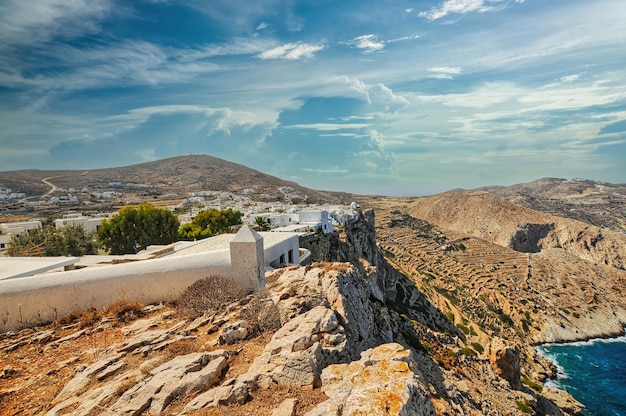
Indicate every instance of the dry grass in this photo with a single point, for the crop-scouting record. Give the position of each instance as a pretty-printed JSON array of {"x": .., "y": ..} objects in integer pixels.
[
  {"x": 125, "y": 311},
  {"x": 209, "y": 295},
  {"x": 262, "y": 315}
]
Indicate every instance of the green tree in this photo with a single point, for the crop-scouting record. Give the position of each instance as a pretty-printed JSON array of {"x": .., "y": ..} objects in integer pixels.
[
  {"x": 137, "y": 227},
  {"x": 210, "y": 222},
  {"x": 263, "y": 223},
  {"x": 49, "y": 241}
]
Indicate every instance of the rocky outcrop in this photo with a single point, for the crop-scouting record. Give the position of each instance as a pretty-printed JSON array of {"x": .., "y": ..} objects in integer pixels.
[
  {"x": 505, "y": 360},
  {"x": 385, "y": 381}
]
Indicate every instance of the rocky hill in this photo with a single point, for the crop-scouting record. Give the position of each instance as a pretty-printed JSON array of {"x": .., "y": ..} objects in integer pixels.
[
  {"x": 181, "y": 175},
  {"x": 596, "y": 203},
  {"x": 421, "y": 306},
  {"x": 351, "y": 337}
]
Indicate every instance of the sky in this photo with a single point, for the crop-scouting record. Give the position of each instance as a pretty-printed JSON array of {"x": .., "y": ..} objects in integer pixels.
[{"x": 392, "y": 97}]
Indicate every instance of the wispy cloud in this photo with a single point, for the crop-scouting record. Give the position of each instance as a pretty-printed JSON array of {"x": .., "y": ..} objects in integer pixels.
[
  {"x": 26, "y": 23},
  {"x": 292, "y": 51},
  {"x": 465, "y": 6},
  {"x": 444, "y": 72},
  {"x": 368, "y": 43}
]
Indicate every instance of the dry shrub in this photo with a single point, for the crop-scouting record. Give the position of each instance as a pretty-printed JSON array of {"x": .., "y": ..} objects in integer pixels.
[
  {"x": 262, "y": 315},
  {"x": 84, "y": 318},
  {"x": 125, "y": 310},
  {"x": 209, "y": 294},
  {"x": 182, "y": 347}
]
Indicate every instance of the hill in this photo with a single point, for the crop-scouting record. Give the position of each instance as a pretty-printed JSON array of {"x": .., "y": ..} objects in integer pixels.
[
  {"x": 596, "y": 203},
  {"x": 176, "y": 175}
]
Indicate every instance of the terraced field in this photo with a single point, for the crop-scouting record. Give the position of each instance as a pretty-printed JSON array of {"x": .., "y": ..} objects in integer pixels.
[{"x": 487, "y": 289}]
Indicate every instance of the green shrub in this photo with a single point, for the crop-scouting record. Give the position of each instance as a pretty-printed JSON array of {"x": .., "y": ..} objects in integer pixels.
[
  {"x": 469, "y": 352},
  {"x": 523, "y": 406},
  {"x": 478, "y": 347},
  {"x": 538, "y": 387},
  {"x": 450, "y": 316},
  {"x": 463, "y": 328}
]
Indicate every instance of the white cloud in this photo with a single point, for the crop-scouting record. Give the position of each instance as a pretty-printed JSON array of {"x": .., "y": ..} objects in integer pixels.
[
  {"x": 570, "y": 78},
  {"x": 378, "y": 96},
  {"x": 369, "y": 43},
  {"x": 444, "y": 72},
  {"x": 261, "y": 26},
  {"x": 292, "y": 51},
  {"x": 326, "y": 126},
  {"x": 34, "y": 21},
  {"x": 331, "y": 171},
  {"x": 464, "y": 6}
]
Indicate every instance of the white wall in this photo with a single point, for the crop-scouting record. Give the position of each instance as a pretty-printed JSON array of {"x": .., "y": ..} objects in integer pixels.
[
  {"x": 90, "y": 224},
  {"x": 43, "y": 297}
]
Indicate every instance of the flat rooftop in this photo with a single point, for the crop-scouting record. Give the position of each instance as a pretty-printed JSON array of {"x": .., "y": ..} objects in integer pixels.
[{"x": 12, "y": 267}]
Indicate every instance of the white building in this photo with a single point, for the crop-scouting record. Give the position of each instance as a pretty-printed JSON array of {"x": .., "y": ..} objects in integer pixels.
[
  {"x": 9, "y": 229},
  {"x": 19, "y": 227},
  {"x": 90, "y": 224},
  {"x": 319, "y": 220}
]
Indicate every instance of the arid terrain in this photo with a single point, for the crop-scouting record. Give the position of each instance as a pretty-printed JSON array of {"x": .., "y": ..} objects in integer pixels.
[{"x": 429, "y": 305}]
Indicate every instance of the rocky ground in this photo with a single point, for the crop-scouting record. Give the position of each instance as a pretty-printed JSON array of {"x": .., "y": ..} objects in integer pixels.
[
  {"x": 340, "y": 350},
  {"x": 348, "y": 338}
]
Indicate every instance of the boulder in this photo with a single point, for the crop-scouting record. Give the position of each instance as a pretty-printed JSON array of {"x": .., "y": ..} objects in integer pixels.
[{"x": 383, "y": 382}]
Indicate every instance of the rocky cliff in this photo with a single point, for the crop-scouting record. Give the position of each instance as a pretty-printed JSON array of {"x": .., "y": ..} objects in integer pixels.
[{"x": 355, "y": 337}]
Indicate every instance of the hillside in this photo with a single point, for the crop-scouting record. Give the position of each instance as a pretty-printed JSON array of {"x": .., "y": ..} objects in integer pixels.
[
  {"x": 352, "y": 337},
  {"x": 176, "y": 175},
  {"x": 557, "y": 279},
  {"x": 427, "y": 306},
  {"x": 597, "y": 203}
]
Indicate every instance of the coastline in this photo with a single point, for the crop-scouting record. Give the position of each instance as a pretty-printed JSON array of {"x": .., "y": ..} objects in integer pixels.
[{"x": 588, "y": 369}]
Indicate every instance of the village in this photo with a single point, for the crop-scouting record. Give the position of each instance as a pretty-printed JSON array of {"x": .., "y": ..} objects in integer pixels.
[{"x": 72, "y": 207}]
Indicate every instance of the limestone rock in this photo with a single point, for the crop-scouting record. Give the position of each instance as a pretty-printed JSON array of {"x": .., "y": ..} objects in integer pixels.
[
  {"x": 383, "y": 382},
  {"x": 505, "y": 361},
  {"x": 286, "y": 408},
  {"x": 191, "y": 372},
  {"x": 294, "y": 357},
  {"x": 551, "y": 400},
  {"x": 84, "y": 377},
  {"x": 234, "y": 332}
]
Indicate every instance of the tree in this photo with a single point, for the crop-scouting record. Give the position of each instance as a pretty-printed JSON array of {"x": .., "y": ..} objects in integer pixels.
[
  {"x": 263, "y": 223},
  {"x": 210, "y": 222},
  {"x": 138, "y": 227},
  {"x": 73, "y": 240}
]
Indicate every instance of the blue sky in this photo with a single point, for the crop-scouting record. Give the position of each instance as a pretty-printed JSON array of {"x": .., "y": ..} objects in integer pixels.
[{"x": 389, "y": 97}]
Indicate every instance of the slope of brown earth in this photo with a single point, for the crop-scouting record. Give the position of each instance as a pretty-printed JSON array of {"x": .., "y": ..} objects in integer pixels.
[
  {"x": 496, "y": 220},
  {"x": 549, "y": 296},
  {"x": 596, "y": 203}
]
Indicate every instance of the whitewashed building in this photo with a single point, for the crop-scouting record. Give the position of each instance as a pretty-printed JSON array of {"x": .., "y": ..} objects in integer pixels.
[{"x": 90, "y": 224}]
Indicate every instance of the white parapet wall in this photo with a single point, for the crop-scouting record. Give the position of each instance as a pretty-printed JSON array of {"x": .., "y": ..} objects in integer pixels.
[
  {"x": 38, "y": 299},
  {"x": 31, "y": 300}
]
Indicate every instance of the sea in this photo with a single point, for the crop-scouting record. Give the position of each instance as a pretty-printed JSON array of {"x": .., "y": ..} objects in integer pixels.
[{"x": 593, "y": 372}]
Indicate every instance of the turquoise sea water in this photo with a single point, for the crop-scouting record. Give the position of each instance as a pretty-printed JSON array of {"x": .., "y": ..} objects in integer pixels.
[{"x": 594, "y": 372}]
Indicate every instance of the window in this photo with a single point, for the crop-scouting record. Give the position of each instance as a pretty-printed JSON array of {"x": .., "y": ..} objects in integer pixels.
[
  {"x": 290, "y": 256},
  {"x": 282, "y": 259}
]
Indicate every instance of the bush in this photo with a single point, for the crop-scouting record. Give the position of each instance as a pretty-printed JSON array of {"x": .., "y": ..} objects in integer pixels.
[
  {"x": 262, "y": 316},
  {"x": 523, "y": 406},
  {"x": 125, "y": 310},
  {"x": 209, "y": 294},
  {"x": 469, "y": 352},
  {"x": 479, "y": 348}
]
